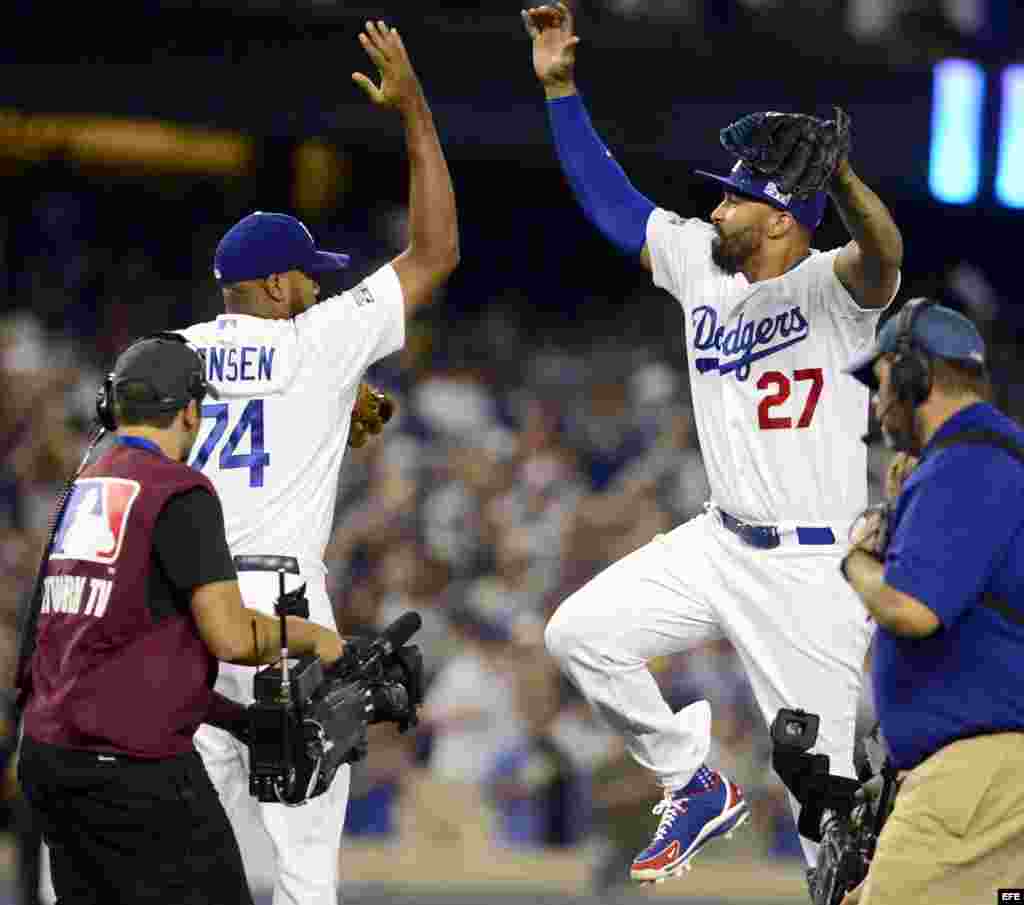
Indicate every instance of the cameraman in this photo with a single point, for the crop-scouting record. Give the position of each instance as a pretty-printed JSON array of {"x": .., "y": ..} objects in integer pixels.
[
  {"x": 947, "y": 593},
  {"x": 138, "y": 602}
]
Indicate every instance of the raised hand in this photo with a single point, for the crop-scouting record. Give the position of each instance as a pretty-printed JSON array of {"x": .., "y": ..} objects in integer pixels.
[
  {"x": 554, "y": 46},
  {"x": 399, "y": 85}
]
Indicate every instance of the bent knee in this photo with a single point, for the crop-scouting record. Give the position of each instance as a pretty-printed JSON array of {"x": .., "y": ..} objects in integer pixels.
[
  {"x": 569, "y": 638},
  {"x": 559, "y": 637}
]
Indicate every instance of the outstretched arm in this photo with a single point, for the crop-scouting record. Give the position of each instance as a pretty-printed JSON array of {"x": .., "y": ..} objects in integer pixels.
[
  {"x": 869, "y": 266},
  {"x": 433, "y": 250},
  {"x": 600, "y": 185}
]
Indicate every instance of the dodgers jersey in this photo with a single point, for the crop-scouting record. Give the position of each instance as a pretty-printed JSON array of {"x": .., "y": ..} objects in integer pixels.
[
  {"x": 274, "y": 443},
  {"x": 779, "y": 423}
]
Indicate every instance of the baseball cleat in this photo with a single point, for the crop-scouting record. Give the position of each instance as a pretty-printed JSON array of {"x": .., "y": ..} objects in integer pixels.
[{"x": 710, "y": 806}]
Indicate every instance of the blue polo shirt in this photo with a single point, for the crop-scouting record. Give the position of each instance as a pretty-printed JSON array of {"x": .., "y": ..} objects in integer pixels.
[{"x": 959, "y": 532}]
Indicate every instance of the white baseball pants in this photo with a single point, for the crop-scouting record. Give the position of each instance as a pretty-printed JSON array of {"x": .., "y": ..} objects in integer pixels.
[{"x": 797, "y": 627}]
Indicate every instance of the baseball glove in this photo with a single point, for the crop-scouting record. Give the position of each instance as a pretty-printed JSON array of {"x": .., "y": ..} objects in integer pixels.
[
  {"x": 373, "y": 409},
  {"x": 799, "y": 152},
  {"x": 871, "y": 530}
]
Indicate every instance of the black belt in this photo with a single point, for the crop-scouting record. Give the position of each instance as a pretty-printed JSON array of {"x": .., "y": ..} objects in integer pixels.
[
  {"x": 87, "y": 756},
  {"x": 267, "y": 564},
  {"x": 766, "y": 537}
]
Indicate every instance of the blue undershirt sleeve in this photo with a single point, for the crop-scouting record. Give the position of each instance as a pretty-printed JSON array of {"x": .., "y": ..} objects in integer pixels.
[{"x": 600, "y": 185}]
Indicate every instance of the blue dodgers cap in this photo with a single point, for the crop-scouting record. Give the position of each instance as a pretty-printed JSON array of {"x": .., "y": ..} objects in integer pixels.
[
  {"x": 263, "y": 243},
  {"x": 743, "y": 180},
  {"x": 938, "y": 330}
]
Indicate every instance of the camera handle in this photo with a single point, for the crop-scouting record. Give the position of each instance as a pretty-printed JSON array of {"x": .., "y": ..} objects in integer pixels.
[
  {"x": 286, "y": 692},
  {"x": 827, "y": 793},
  {"x": 885, "y": 800},
  {"x": 807, "y": 777}
]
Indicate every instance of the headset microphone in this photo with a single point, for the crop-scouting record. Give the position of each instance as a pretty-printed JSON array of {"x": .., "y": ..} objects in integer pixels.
[{"x": 875, "y": 433}]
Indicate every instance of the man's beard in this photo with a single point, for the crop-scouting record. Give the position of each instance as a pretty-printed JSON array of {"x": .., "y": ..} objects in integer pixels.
[{"x": 730, "y": 253}]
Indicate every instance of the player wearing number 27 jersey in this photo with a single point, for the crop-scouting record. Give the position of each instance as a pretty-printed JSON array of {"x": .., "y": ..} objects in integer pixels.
[
  {"x": 288, "y": 368},
  {"x": 769, "y": 323},
  {"x": 779, "y": 426}
]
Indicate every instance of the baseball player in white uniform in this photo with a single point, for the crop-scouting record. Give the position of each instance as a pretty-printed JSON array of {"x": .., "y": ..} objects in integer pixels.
[
  {"x": 288, "y": 369},
  {"x": 769, "y": 323}
]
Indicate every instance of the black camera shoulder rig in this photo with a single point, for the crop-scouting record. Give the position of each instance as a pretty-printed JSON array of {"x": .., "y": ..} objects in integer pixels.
[
  {"x": 835, "y": 812},
  {"x": 307, "y": 719}
]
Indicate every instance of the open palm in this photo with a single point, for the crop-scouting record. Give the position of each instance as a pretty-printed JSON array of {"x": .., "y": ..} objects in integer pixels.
[
  {"x": 399, "y": 85},
  {"x": 554, "y": 44}
]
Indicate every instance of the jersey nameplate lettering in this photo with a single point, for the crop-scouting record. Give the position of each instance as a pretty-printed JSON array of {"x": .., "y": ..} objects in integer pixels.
[{"x": 238, "y": 363}]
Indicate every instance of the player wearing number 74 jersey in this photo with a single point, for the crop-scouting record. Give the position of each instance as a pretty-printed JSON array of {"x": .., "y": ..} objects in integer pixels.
[
  {"x": 288, "y": 369},
  {"x": 769, "y": 324}
]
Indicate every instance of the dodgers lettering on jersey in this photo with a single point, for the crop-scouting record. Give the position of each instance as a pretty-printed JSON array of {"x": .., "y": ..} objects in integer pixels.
[
  {"x": 273, "y": 443},
  {"x": 745, "y": 338},
  {"x": 779, "y": 423}
]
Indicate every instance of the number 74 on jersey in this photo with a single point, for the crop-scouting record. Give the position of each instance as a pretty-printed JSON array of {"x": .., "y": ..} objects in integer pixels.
[{"x": 249, "y": 425}]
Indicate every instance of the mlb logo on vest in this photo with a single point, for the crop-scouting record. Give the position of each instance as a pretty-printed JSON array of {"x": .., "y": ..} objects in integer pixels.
[{"x": 93, "y": 524}]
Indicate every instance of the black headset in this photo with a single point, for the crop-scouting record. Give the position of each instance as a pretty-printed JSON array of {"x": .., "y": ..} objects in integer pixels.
[
  {"x": 197, "y": 386},
  {"x": 911, "y": 373}
]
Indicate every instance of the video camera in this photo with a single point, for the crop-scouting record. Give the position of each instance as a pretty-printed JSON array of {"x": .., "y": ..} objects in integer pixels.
[
  {"x": 834, "y": 810},
  {"x": 308, "y": 719}
]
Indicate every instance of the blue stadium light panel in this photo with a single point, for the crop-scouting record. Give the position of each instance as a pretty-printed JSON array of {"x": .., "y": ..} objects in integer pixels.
[
  {"x": 958, "y": 96},
  {"x": 1010, "y": 168}
]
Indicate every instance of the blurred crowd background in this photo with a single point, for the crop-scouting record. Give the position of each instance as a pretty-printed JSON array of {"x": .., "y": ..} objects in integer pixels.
[{"x": 544, "y": 425}]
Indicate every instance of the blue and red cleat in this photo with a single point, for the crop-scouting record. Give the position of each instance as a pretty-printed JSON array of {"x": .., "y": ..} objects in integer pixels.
[{"x": 709, "y": 806}]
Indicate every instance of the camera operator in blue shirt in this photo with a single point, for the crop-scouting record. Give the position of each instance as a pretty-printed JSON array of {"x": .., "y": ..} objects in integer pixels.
[{"x": 942, "y": 575}]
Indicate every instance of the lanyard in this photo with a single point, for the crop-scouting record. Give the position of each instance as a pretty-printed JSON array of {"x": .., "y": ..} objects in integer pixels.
[{"x": 140, "y": 443}]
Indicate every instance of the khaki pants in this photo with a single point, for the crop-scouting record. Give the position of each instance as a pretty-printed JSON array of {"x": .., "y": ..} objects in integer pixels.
[{"x": 956, "y": 833}]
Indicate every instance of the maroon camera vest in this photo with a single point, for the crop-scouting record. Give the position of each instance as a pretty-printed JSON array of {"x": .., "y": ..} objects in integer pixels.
[{"x": 106, "y": 676}]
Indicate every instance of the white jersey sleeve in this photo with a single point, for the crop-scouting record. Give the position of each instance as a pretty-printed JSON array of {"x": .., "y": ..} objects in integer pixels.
[
  {"x": 680, "y": 250},
  {"x": 373, "y": 310},
  {"x": 778, "y": 421}
]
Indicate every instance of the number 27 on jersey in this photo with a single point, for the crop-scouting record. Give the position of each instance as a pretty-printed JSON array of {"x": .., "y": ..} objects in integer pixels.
[{"x": 780, "y": 387}]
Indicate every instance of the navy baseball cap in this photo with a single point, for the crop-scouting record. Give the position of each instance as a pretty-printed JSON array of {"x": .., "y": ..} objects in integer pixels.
[
  {"x": 743, "y": 180},
  {"x": 938, "y": 330},
  {"x": 168, "y": 368},
  {"x": 263, "y": 243}
]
